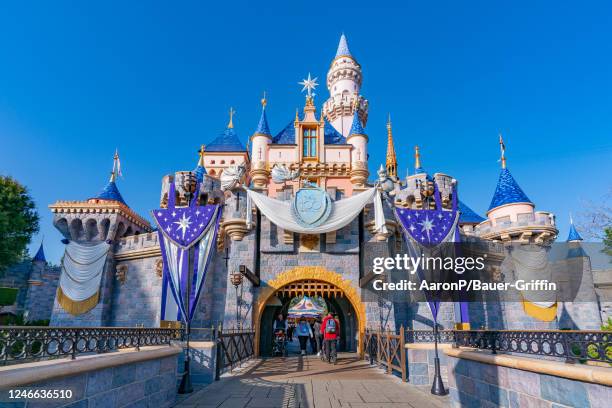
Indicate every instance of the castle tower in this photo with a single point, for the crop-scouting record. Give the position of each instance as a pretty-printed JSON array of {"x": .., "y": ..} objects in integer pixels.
[
  {"x": 391, "y": 163},
  {"x": 104, "y": 217},
  {"x": 512, "y": 216},
  {"x": 259, "y": 151},
  {"x": 344, "y": 82},
  {"x": 225, "y": 150},
  {"x": 359, "y": 156}
]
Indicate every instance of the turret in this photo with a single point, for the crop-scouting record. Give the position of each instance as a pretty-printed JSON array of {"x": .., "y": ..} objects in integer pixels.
[
  {"x": 359, "y": 156},
  {"x": 225, "y": 150},
  {"x": 259, "y": 152},
  {"x": 512, "y": 216},
  {"x": 103, "y": 217},
  {"x": 344, "y": 82}
]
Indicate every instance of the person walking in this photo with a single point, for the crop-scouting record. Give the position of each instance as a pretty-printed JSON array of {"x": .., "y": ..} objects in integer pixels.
[
  {"x": 316, "y": 328},
  {"x": 290, "y": 332},
  {"x": 330, "y": 329},
  {"x": 304, "y": 332}
]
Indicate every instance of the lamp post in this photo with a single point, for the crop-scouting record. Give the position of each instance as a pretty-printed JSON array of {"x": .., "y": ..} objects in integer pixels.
[
  {"x": 237, "y": 278},
  {"x": 189, "y": 184},
  {"x": 437, "y": 387}
]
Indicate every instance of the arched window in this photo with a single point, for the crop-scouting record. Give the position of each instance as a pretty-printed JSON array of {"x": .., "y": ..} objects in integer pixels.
[
  {"x": 232, "y": 162},
  {"x": 222, "y": 161},
  {"x": 212, "y": 162}
]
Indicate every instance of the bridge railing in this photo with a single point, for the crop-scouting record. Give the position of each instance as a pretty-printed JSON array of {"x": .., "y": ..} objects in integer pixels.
[
  {"x": 571, "y": 345},
  {"x": 234, "y": 346},
  {"x": 21, "y": 344}
]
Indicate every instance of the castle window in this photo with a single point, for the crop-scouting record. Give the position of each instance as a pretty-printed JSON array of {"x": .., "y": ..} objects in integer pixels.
[
  {"x": 212, "y": 162},
  {"x": 232, "y": 162},
  {"x": 222, "y": 161},
  {"x": 310, "y": 142}
]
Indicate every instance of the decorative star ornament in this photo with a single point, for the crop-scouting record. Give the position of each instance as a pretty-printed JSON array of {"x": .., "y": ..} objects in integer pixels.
[
  {"x": 427, "y": 226},
  {"x": 183, "y": 224},
  {"x": 309, "y": 85}
]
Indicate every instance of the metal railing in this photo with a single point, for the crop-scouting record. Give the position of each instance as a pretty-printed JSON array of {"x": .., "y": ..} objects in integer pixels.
[
  {"x": 427, "y": 336},
  {"x": 572, "y": 345},
  {"x": 21, "y": 344},
  {"x": 234, "y": 346}
]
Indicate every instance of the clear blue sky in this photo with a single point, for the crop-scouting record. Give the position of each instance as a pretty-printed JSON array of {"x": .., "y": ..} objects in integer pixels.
[{"x": 155, "y": 79}]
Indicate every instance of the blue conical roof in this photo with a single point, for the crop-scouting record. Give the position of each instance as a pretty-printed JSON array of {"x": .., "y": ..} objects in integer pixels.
[
  {"x": 40, "y": 255},
  {"x": 226, "y": 142},
  {"x": 356, "y": 128},
  {"x": 343, "y": 49},
  {"x": 262, "y": 126},
  {"x": 573, "y": 234},
  {"x": 200, "y": 172},
  {"x": 468, "y": 215},
  {"x": 507, "y": 191},
  {"x": 110, "y": 192}
]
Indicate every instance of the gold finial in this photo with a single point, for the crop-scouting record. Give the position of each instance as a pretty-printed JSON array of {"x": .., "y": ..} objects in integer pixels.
[
  {"x": 391, "y": 157},
  {"x": 264, "y": 101},
  {"x": 502, "y": 147},
  {"x": 297, "y": 116},
  {"x": 116, "y": 167},
  {"x": 230, "y": 125},
  {"x": 417, "y": 158},
  {"x": 201, "y": 153}
]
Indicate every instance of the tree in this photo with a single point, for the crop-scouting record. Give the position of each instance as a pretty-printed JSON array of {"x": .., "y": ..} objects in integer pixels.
[
  {"x": 18, "y": 221},
  {"x": 608, "y": 249},
  {"x": 596, "y": 218}
]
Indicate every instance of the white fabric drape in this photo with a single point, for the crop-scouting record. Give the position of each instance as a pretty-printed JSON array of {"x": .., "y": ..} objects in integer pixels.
[
  {"x": 532, "y": 264},
  {"x": 82, "y": 270},
  {"x": 343, "y": 212}
]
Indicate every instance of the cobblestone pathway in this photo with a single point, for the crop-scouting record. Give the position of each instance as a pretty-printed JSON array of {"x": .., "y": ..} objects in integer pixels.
[{"x": 310, "y": 383}]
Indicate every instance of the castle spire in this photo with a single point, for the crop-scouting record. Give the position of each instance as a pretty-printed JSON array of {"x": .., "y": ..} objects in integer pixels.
[
  {"x": 343, "y": 49},
  {"x": 502, "y": 148},
  {"x": 40, "y": 254},
  {"x": 232, "y": 112},
  {"x": 262, "y": 126},
  {"x": 573, "y": 235},
  {"x": 391, "y": 158},
  {"x": 417, "y": 161},
  {"x": 201, "y": 154},
  {"x": 116, "y": 167}
]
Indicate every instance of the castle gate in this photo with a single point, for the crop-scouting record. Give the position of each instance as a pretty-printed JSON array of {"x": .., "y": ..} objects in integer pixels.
[{"x": 338, "y": 293}]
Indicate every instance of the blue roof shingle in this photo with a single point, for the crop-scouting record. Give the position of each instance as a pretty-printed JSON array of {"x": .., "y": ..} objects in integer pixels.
[
  {"x": 110, "y": 192},
  {"x": 573, "y": 234},
  {"x": 227, "y": 141},
  {"x": 468, "y": 215},
  {"x": 40, "y": 255},
  {"x": 356, "y": 128},
  {"x": 507, "y": 191},
  {"x": 287, "y": 135}
]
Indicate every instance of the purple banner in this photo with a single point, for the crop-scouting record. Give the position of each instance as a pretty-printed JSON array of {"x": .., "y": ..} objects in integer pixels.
[
  {"x": 428, "y": 227},
  {"x": 184, "y": 225}
]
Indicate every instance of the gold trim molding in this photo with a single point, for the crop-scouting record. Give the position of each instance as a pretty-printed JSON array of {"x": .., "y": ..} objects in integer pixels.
[{"x": 319, "y": 273}]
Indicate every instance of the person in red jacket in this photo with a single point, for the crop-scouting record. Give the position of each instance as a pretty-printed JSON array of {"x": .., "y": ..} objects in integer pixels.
[{"x": 330, "y": 328}]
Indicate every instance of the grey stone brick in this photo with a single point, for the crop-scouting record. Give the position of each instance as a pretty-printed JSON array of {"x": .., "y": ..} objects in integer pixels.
[
  {"x": 99, "y": 381},
  {"x": 563, "y": 391}
]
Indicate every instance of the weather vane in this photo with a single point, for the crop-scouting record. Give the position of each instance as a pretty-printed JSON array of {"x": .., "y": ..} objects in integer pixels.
[{"x": 309, "y": 85}]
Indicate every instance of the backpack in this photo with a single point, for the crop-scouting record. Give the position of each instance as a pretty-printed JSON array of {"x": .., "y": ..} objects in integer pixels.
[{"x": 330, "y": 326}]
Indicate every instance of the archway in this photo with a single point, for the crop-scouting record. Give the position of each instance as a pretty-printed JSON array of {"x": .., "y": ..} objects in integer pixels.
[{"x": 333, "y": 280}]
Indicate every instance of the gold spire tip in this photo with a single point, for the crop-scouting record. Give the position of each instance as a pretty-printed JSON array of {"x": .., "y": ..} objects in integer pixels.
[
  {"x": 264, "y": 101},
  {"x": 232, "y": 112},
  {"x": 502, "y": 148},
  {"x": 417, "y": 157}
]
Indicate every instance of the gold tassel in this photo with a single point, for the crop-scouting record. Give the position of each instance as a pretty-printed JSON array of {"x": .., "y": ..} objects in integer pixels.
[
  {"x": 545, "y": 314},
  {"x": 77, "y": 308}
]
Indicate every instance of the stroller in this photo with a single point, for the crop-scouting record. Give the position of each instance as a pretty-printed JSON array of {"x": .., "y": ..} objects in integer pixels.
[{"x": 279, "y": 344}]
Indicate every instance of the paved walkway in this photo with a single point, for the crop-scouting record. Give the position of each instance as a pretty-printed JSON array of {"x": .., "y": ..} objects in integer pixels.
[{"x": 307, "y": 382}]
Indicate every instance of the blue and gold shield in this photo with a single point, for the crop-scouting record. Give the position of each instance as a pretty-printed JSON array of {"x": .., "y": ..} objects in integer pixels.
[{"x": 311, "y": 206}]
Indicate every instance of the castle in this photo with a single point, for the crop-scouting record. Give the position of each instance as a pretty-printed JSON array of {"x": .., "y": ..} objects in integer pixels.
[{"x": 328, "y": 148}]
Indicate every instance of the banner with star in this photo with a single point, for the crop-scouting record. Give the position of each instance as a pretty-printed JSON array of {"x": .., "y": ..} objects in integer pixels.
[
  {"x": 424, "y": 231},
  {"x": 184, "y": 233}
]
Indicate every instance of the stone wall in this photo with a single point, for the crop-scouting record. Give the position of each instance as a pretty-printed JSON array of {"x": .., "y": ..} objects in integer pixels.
[
  {"x": 478, "y": 384},
  {"x": 420, "y": 361},
  {"x": 126, "y": 379}
]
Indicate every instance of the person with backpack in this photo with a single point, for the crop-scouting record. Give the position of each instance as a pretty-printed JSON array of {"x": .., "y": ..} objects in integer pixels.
[
  {"x": 330, "y": 328},
  {"x": 304, "y": 332}
]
